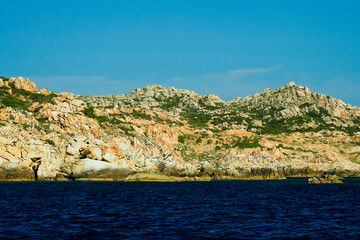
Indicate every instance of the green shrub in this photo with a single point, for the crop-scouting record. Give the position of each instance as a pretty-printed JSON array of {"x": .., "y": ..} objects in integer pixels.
[
  {"x": 4, "y": 78},
  {"x": 44, "y": 127},
  {"x": 138, "y": 114},
  {"x": 36, "y": 97},
  {"x": 274, "y": 127},
  {"x": 49, "y": 142},
  {"x": 89, "y": 112},
  {"x": 247, "y": 143},
  {"x": 11, "y": 101},
  {"x": 195, "y": 118},
  {"x": 282, "y": 146},
  {"x": 42, "y": 120},
  {"x": 304, "y": 105},
  {"x": 169, "y": 102},
  {"x": 181, "y": 139}
]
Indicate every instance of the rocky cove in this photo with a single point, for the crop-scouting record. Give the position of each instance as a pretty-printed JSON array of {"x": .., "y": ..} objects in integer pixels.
[{"x": 167, "y": 134}]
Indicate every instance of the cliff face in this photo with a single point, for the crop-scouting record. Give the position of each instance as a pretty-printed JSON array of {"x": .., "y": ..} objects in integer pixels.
[{"x": 159, "y": 133}]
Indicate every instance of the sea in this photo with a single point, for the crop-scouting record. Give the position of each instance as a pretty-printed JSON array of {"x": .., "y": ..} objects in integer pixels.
[{"x": 274, "y": 209}]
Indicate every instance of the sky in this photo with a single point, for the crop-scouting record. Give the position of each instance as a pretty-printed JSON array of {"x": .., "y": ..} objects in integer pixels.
[{"x": 228, "y": 48}]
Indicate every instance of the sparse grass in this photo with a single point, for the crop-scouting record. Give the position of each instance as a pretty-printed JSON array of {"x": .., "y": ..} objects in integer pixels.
[
  {"x": 246, "y": 143},
  {"x": 127, "y": 129},
  {"x": 168, "y": 103},
  {"x": 190, "y": 155},
  {"x": 89, "y": 112},
  {"x": 139, "y": 114},
  {"x": 195, "y": 118},
  {"x": 44, "y": 127}
]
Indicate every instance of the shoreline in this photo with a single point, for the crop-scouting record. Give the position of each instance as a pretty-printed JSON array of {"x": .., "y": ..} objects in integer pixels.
[{"x": 168, "y": 180}]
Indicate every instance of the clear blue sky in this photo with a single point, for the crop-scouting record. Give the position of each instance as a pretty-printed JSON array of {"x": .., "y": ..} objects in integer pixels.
[{"x": 229, "y": 48}]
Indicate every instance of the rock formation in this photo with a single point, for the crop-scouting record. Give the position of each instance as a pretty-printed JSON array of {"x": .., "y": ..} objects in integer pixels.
[
  {"x": 326, "y": 178},
  {"x": 167, "y": 134}
]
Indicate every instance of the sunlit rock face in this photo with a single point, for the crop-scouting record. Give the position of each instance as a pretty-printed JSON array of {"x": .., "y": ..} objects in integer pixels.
[{"x": 168, "y": 134}]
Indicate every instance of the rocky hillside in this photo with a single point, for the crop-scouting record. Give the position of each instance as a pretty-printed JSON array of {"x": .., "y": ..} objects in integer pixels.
[
  {"x": 159, "y": 133},
  {"x": 290, "y": 108}
]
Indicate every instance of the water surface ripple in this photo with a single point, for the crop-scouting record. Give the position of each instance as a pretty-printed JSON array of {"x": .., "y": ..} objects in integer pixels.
[{"x": 283, "y": 209}]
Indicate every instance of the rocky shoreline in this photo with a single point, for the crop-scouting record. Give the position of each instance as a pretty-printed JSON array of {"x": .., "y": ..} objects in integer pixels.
[
  {"x": 23, "y": 174},
  {"x": 167, "y": 134}
]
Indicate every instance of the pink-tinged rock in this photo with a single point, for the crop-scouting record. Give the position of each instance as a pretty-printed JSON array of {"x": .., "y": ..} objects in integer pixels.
[
  {"x": 268, "y": 144},
  {"x": 94, "y": 152},
  {"x": 110, "y": 154}
]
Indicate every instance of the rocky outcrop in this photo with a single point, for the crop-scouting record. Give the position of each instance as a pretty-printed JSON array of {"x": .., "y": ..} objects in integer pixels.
[
  {"x": 166, "y": 134},
  {"x": 296, "y": 107},
  {"x": 23, "y": 83},
  {"x": 93, "y": 169},
  {"x": 326, "y": 178}
]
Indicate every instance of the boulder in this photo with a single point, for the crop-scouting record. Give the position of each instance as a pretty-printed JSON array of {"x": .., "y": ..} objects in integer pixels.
[
  {"x": 23, "y": 83},
  {"x": 92, "y": 169},
  {"x": 326, "y": 178},
  {"x": 93, "y": 152}
]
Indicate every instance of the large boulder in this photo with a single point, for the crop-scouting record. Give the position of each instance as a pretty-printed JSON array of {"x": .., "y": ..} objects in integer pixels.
[
  {"x": 93, "y": 169},
  {"x": 16, "y": 170},
  {"x": 75, "y": 144},
  {"x": 326, "y": 178},
  {"x": 23, "y": 83}
]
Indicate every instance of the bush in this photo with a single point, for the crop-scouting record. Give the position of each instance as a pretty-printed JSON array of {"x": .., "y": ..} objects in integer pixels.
[
  {"x": 169, "y": 102},
  {"x": 275, "y": 127},
  {"x": 138, "y": 114},
  {"x": 247, "y": 143},
  {"x": 181, "y": 139},
  {"x": 49, "y": 142},
  {"x": 89, "y": 112},
  {"x": 198, "y": 119},
  {"x": 34, "y": 96},
  {"x": 11, "y": 101},
  {"x": 288, "y": 148}
]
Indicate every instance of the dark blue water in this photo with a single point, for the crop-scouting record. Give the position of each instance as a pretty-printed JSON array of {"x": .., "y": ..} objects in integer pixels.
[{"x": 286, "y": 209}]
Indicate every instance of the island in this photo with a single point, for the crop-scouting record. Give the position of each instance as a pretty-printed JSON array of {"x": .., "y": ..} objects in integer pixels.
[{"x": 167, "y": 134}]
